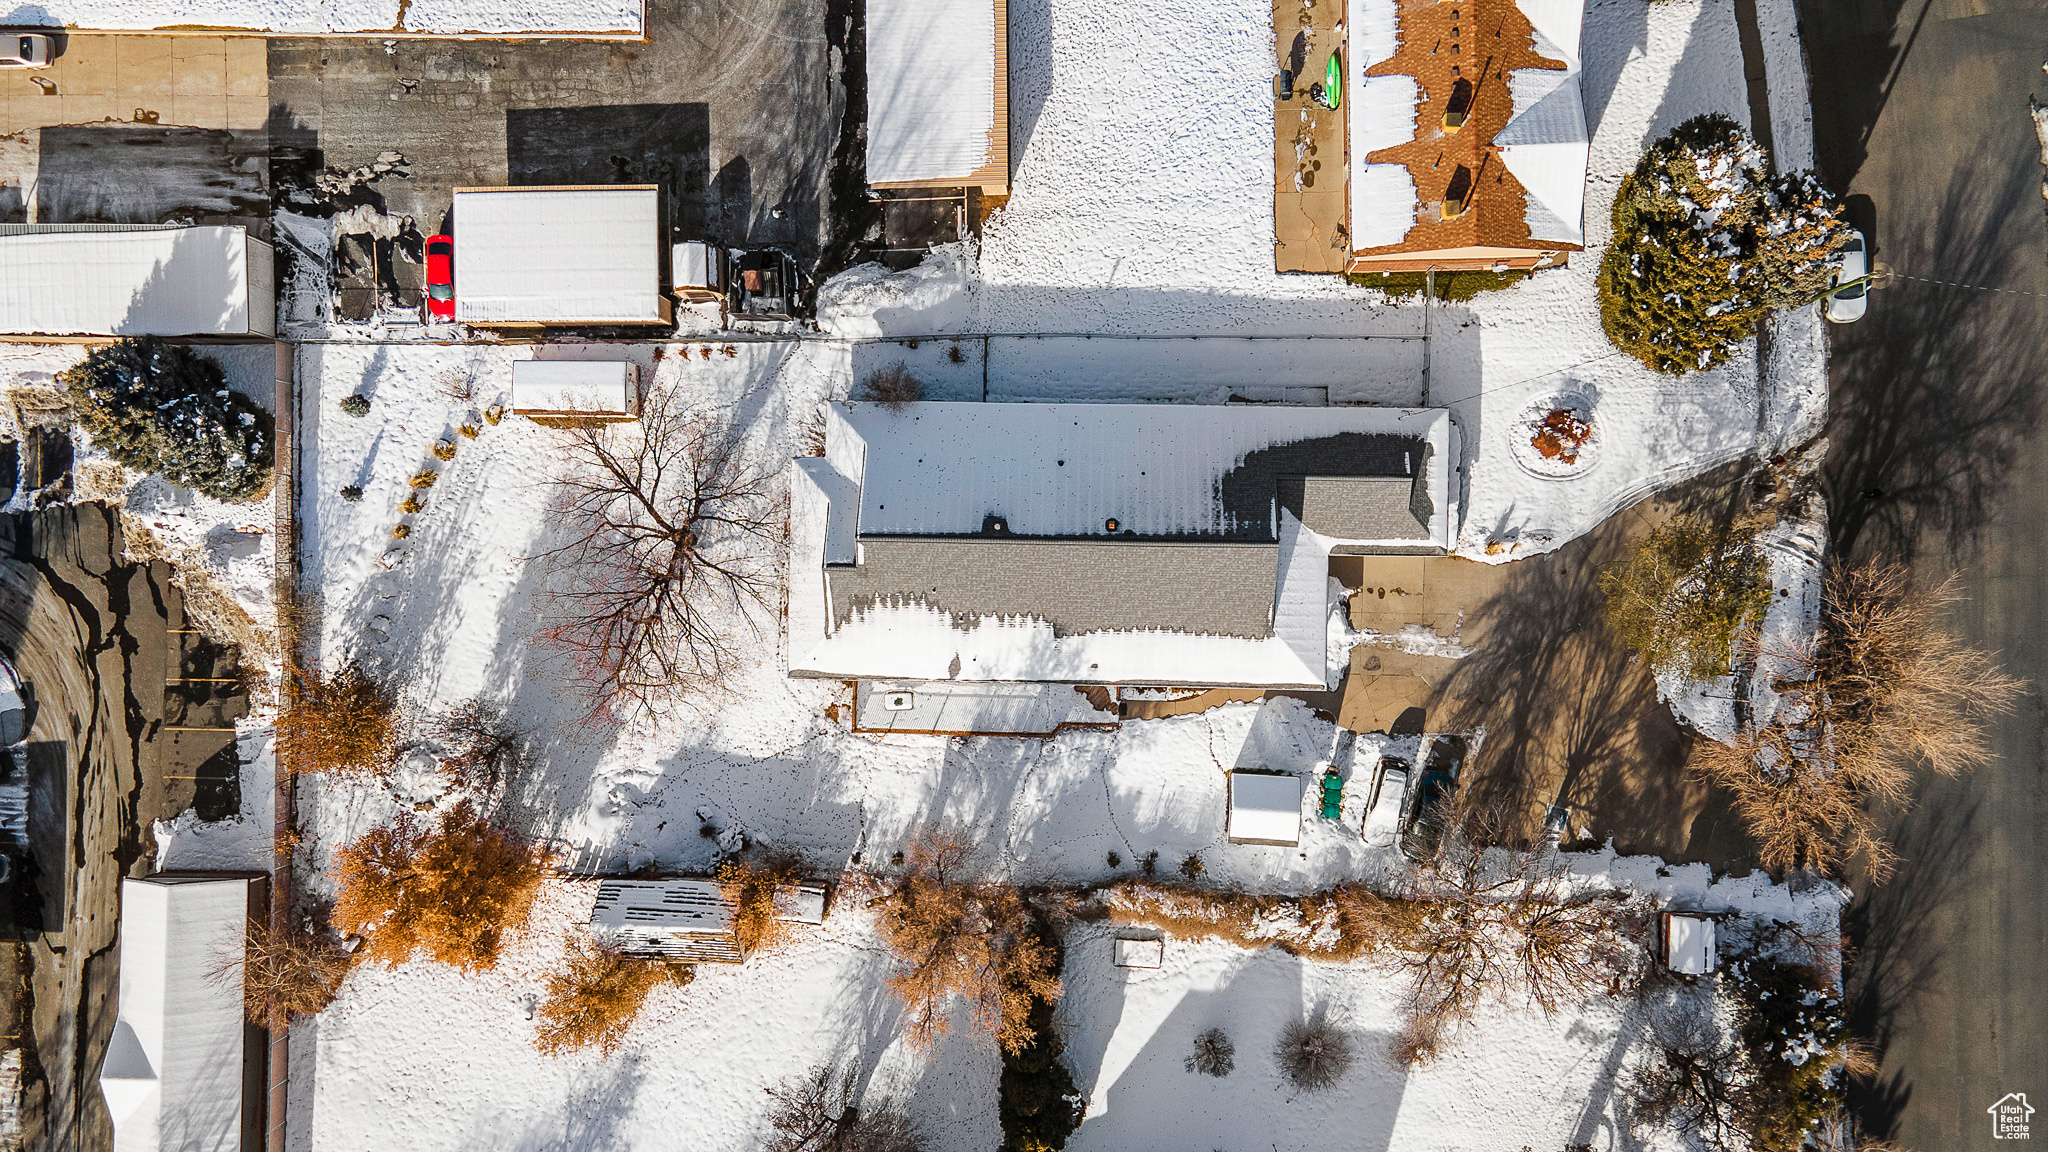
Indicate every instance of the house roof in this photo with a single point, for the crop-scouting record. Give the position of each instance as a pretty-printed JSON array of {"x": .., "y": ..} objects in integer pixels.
[
  {"x": 1077, "y": 586},
  {"x": 1517, "y": 163},
  {"x": 1161, "y": 471},
  {"x": 64, "y": 280},
  {"x": 583, "y": 255},
  {"x": 172, "y": 1077},
  {"x": 1359, "y": 507}
]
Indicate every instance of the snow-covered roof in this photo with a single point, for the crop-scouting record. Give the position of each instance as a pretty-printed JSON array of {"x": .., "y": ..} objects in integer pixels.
[
  {"x": 1265, "y": 808},
  {"x": 1545, "y": 143},
  {"x": 935, "y": 71},
  {"x": 1158, "y": 470},
  {"x": 559, "y": 255},
  {"x": 173, "y": 1072},
  {"x": 1379, "y": 113},
  {"x": 684, "y": 919},
  {"x": 1689, "y": 943},
  {"x": 67, "y": 280},
  {"x": 595, "y": 387}
]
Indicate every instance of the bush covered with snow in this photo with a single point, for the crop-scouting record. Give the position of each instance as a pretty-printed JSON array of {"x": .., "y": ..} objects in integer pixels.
[
  {"x": 1707, "y": 243},
  {"x": 163, "y": 408}
]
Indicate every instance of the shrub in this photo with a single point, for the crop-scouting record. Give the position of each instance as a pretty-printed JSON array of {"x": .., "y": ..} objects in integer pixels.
[
  {"x": 451, "y": 891},
  {"x": 1191, "y": 866},
  {"x": 1706, "y": 243},
  {"x": 284, "y": 975},
  {"x": 1456, "y": 287},
  {"x": 470, "y": 431},
  {"x": 1684, "y": 600},
  {"x": 401, "y": 531},
  {"x": 480, "y": 746},
  {"x": 751, "y": 888},
  {"x": 444, "y": 449},
  {"x": 976, "y": 940},
  {"x": 412, "y": 504},
  {"x": 892, "y": 386},
  {"x": 1795, "y": 1033},
  {"x": 163, "y": 408},
  {"x": 596, "y": 995},
  {"x": 1312, "y": 1054},
  {"x": 351, "y": 492},
  {"x": 1214, "y": 1054},
  {"x": 342, "y": 723},
  {"x": 816, "y": 1114},
  {"x": 356, "y": 404},
  {"x": 1038, "y": 1105},
  {"x": 496, "y": 412},
  {"x": 424, "y": 478},
  {"x": 1695, "y": 1079}
]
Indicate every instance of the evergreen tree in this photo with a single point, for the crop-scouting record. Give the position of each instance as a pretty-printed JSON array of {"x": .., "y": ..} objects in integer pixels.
[
  {"x": 162, "y": 408},
  {"x": 1707, "y": 243}
]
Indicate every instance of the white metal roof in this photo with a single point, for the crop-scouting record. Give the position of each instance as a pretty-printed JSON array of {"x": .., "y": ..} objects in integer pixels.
[
  {"x": 134, "y": 282},
  {"x": 931, "y": 88},
  {"x": 1066, "y": 469},
  {"x": 558, "y": 255},
  {"x": 1265, "y": 807},
  {"x": 599, "y": 387},
  {"x": 172, "y": 1077},
  {"x": 1689, "y": 943}
]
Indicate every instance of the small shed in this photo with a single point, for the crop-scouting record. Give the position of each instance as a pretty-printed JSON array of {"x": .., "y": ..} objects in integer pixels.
[
  {"x": 1139, "y": 953},
  {"x": 1688, "y": 939},
  {"x": 183, "y": 1069},
  {"x": 1265, "y": 808},
  {"x": 938, "y": 75},
  {"x": 86, "y": 281},
  {"x": 582, "y": 255},
  {"x": 687, "y": 920},
  {"x": 580, "y": 389}
]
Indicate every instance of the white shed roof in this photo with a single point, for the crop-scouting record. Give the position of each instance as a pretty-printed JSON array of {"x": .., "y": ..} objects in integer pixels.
[
  {"x": 1689, "y": 943},
  {"x": 598, "y": 387},
  {"x": 558, "y": 255},
  {"x": 931, "y": 88},
  {"x": 1265, "y": 807},
  {"x": 64, "y": 281},
  {"x": 172, "y": 1077}
]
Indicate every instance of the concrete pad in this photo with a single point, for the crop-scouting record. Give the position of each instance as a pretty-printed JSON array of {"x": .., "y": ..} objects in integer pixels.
[{"x": 247, "y": 60}]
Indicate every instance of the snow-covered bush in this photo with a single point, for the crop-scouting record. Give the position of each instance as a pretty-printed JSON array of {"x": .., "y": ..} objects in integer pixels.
[
  {"x": 1795, "y": 1032},
  {"x": 163, "y": 408},
  {"x": 1214, "y": 1054},
  {"x": 1707, "y": 243},
  {"x": 356, "y": 404},
  {"x": 1312, "y": 1054},
  {"x": 593, "y": 999},
  {"x": 1688, "y": 595}
]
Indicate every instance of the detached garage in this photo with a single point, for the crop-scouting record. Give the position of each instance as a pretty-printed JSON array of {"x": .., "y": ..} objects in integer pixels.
[
  {"x": 87, "y": 281},
  {"x": 1265, "y": 808},
  {"x": 939, "y": 94},
  {"x": 183, "y": 1070},
  {"x": 559, "y": 256}
]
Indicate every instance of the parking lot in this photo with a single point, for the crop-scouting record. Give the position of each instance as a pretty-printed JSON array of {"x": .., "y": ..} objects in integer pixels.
[{"x": 734, "y": 109}]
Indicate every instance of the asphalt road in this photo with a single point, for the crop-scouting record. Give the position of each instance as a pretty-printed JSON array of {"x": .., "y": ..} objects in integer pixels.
[
  {"x": 1937, "y": 457},
  {"x": 733, "y": 107}
]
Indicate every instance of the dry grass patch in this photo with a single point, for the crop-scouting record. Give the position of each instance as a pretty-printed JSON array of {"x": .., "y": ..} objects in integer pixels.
[
  {"x": 451, "y": 891},
  {"x": 595, "y": 997}
]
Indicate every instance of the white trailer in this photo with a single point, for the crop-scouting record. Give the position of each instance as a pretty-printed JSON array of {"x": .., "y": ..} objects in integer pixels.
[
  {"x": 576, "y": 389},
  {"x": 559, "y": 256},
  {"x": 70, "y": 282}
]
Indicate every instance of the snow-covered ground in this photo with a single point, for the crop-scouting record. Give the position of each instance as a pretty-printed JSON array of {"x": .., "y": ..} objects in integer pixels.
[{"x": 1153, "y": 214}]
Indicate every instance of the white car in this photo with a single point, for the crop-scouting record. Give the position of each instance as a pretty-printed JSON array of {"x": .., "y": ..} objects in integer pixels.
[
  {"x": 1390, "y": 795},
  {"x": 1851, "y": 263},
  {"x": 25, "y": 50}
]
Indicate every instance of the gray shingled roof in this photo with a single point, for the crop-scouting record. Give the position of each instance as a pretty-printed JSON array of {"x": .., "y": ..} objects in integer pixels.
[
  {"x": 1218, "y": 589},
  {"x": 1358, "y": 507}
]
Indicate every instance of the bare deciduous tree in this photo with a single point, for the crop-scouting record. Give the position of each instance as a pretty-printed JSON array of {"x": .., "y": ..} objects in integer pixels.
[
  {"x": 1313, "y": 1054},
  {"x": 1695, "y": 1080},
  {"x": 283, "y": 975},
  {"x": 977, "y": 940},
  {"x": 1886, "y": 687},
  {"x": 481, "y": 745},
  {"x": 1214, "y": 1054},
  {"x": 816, "y": 1114},
  {"x": 670, "y": 532}
]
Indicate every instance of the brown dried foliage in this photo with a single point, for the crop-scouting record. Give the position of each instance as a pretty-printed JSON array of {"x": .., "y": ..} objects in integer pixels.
[
  {"x": 892, "y": 386},
  {"x": 955, "y": 937},
  {"x": 451, "y": 891},
  {"x": 344, "y": 722},
  {"x": 671, "y": 535},
  {"x": 283, "y": 975},
  {"x": 597, "y": 994},
  {"x": 751, "y": 887},
  {"x": 1886, "y": 688}
]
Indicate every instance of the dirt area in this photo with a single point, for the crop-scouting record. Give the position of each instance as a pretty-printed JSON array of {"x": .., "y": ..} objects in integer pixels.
[{"x": 1311, "y": 170}]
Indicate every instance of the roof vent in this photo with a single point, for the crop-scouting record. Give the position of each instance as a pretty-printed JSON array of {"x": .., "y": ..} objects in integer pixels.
[{"x": 995, "y": 525}]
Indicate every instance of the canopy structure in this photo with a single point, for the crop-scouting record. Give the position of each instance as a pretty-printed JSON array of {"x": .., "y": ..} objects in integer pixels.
[
  {"x": 83, "y": 280},
  {"x": 559, "y": 255},
  {"x": 938, "y": 94},
  {"x": 177, "y": 1073}
]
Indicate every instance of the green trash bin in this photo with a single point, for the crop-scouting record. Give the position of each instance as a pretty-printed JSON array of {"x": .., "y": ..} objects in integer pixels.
[{"x": 1333, "y": 794}]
